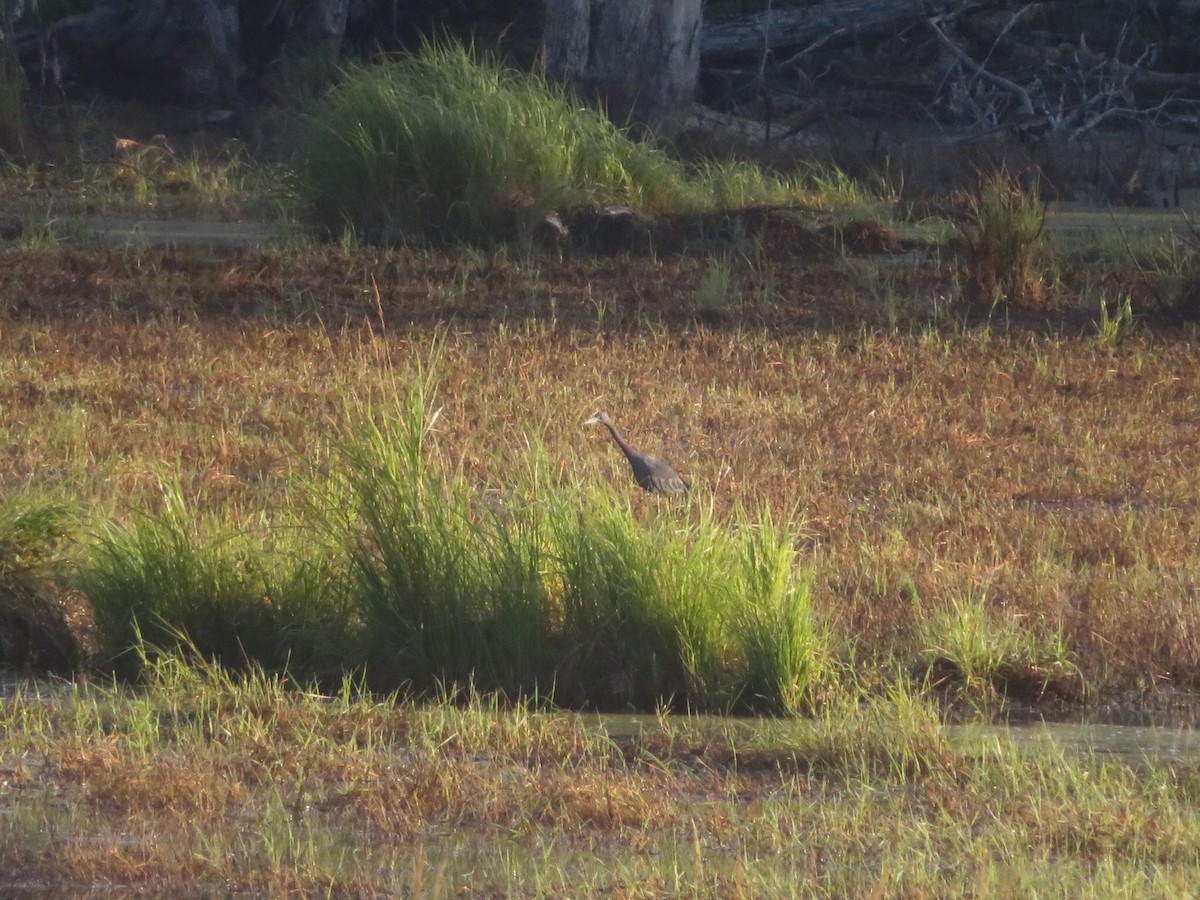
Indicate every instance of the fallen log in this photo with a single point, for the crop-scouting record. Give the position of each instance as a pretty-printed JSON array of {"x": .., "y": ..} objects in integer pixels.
[{"x": 827, "y": 25}]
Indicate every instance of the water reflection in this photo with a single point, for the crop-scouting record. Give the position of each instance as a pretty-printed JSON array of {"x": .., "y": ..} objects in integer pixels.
[{"x": 1163, "y": 709}]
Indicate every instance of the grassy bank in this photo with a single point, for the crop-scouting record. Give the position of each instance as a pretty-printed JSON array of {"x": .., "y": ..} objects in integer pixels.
[
  {"x": 449, "y": 146},
  {"x": 198, "y": 784}
]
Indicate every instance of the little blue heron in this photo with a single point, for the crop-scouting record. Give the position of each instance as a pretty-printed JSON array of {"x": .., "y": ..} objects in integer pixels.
[{"x": 650, "y": 472}]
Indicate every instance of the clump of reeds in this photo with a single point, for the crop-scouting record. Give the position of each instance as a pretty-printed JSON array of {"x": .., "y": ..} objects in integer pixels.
[
  {"x": 447, "y": 590},
  {"x": 562, "y": 592},
  {"x": 39, "y": 625},
  {"x": 1002, "y": 231},
  {"x": 168, "y": 581},
  {"x": 406, "y": 572},
  {"x": 449, "y": 145}
]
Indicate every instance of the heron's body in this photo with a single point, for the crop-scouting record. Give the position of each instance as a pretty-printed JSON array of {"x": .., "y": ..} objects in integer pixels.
[{"x": 650, "y": 472}]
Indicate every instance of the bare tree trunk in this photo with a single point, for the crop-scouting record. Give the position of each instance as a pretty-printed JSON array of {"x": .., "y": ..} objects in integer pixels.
[
  {"x": 565, "y": 39},
  {"x": 190, "y": 52},
  {"x": 183, "y": 51},
  {"x": 641, "y": 58}
]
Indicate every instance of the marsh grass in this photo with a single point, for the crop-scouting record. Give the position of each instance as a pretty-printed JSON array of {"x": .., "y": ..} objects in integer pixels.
[
  {"x": 1112, "y": 325},
  {"x": 39, "y": 627},
  {"x": 885, "y": 445},
  {"x": 179, "y": 582},
  {"x": 399, "y": 568},
  {"x": 716, "y": 293},
  {"x": 449, "y": 146},
  {"x": 936, "y": 461},
  {"x": 786, "y": 650},
  {"x": 1030, "y": 496},
  {"x": 199, "y": 781},
  {"x": 130, "y": 177},
  {"x": 985, "y": 651},
  {"x": 31, "y": 538},
  {"x": 556, "y": 591},
  {"x": 49, "y": 234},
  {"x": 448, "y": 590},
  {"x": 443, "y": 146},
  {"x": 155, "y": 174}
]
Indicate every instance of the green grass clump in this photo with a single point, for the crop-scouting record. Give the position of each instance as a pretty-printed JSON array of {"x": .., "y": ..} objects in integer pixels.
[
  {"x": 984, "y": 650},
  {"x": 152, "y": 171},
  {"x": 448, "y": 592},
  {"x": 28, "y": 540},
  {"x": 639, "y": 623},
  {"x": 692, "y": 615},
  {"x": 166, "y": 582},
  {"x": 401, "y": 570},
  {"x": 1112, "y": 325},
  {"x": 1003, "y": 233},
  {"x": 34, "y": 623},
  {"x": 556, "y": 592},
  {"x": 782, "y": 643},
  {"x": 448, "y": 145}
]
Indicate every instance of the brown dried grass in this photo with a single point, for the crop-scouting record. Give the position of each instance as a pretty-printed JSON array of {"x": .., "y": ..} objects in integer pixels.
[{"x": 1053, "y": 475}]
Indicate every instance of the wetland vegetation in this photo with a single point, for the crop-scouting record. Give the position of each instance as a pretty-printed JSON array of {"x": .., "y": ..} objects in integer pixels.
[{"x": 327, "y": 512}]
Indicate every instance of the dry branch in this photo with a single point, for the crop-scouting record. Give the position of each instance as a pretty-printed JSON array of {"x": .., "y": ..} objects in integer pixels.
[{"x": 976, "y": 65}]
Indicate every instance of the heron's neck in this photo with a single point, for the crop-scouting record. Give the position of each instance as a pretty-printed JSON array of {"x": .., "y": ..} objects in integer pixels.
[{"x": 625, "y": 448}]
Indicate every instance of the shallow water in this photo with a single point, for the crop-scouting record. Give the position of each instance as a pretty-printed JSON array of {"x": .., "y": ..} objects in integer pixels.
[
  {"x": 1124, "y": 733},
  {"x": 1126, "y": 743},
  {"x": 1165, "y": 728}
]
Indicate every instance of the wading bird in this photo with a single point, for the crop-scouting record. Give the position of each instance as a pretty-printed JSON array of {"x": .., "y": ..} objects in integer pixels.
[{"x": 649, "y": 472}]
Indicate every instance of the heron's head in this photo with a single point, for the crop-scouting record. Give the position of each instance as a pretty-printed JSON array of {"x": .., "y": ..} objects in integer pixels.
[{"x": 600, "y": 418}]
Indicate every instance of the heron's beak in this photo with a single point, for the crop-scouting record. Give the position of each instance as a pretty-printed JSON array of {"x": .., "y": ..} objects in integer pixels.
[{"x": 593, "y": 420}]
